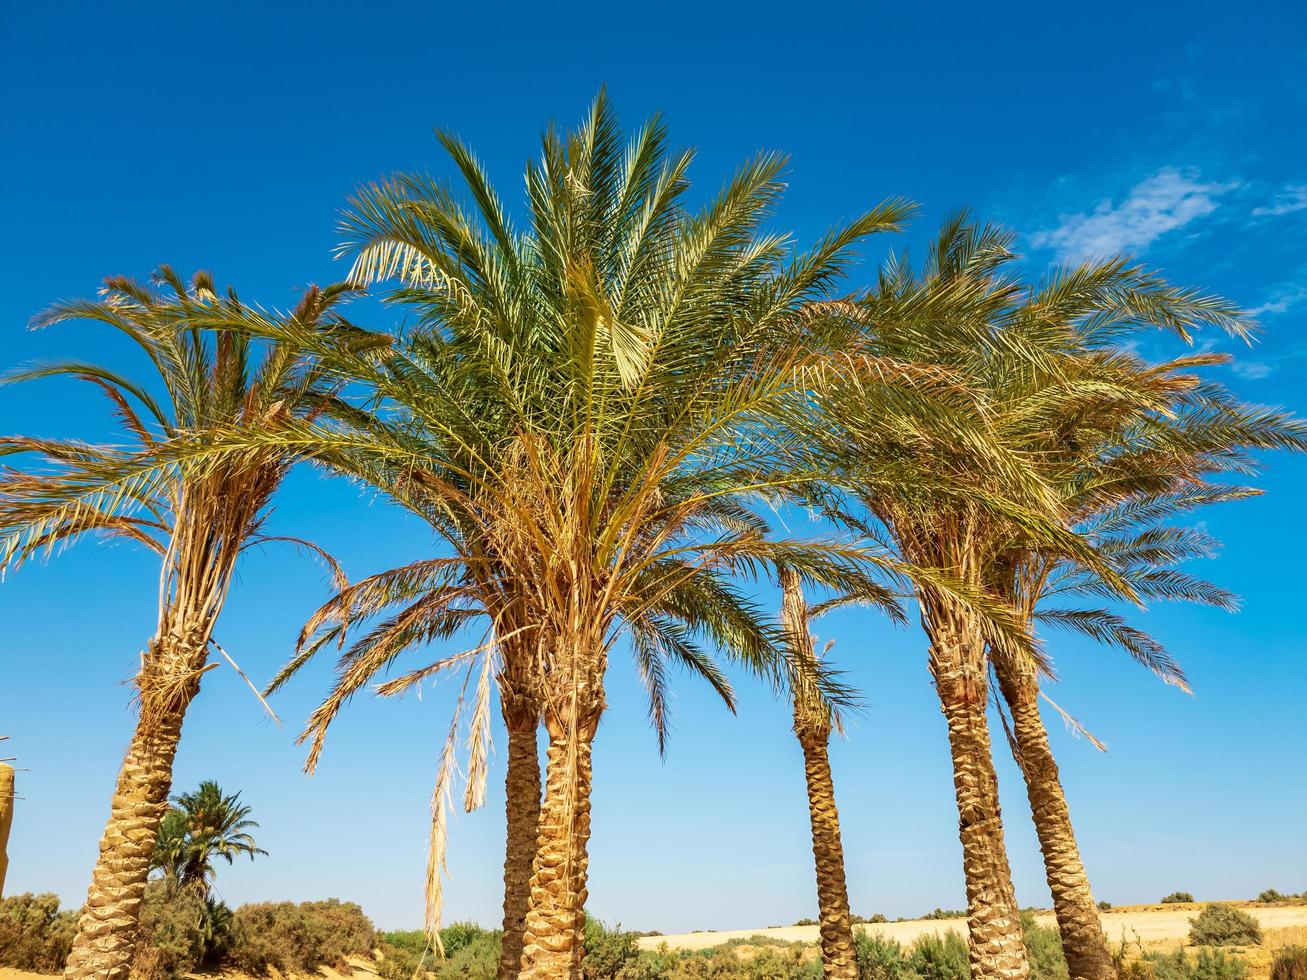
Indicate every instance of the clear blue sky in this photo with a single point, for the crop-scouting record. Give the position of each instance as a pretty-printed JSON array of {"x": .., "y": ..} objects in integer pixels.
[{"x": 227, "y": 135}]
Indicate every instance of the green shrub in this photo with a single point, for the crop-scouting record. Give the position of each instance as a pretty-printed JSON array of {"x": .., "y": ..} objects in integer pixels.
[
  {"x": 1176, "y": 897},
  {"x": 1290, "y": 964},
  {"x": 941, "y": 957},
  {"x": 1224, "y": 925},
  {"x": 881, "y": 959},
  {"x": 34, "y": 934},
  {"x": 873, "y": 919},
  {"x": 607, "y": 951},
  {"x": 946, "y": 914},
  {"x": 299, "y": 938},
  {"x": 1044, "y": 949},
  {"x": 181, "y": 931},
  {"x": 410, "y": 940},
  {"x": 1271, "y": 895},
  {"x": 1104, "y": 906},
  {"x": 807, "y": 922},
  {"x": 1207, "y": 965}
]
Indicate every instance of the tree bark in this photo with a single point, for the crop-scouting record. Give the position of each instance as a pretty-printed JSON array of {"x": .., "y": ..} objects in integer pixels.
[
  {"x": 107, "y": 931},
  {"x": 812, "y": 725},
  {"x": 837, "y": 953},
  {"x": 6, "y": 819},
  {"x": 996, "y": 945},
  {"x": 1083, "y": 941},
  {"x": 522, "y": 806},
  {"x": 554, "y": 941}
]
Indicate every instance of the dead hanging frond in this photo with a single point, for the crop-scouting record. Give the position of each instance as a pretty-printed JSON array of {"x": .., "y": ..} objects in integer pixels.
[{"x": 1073, "y": 726}]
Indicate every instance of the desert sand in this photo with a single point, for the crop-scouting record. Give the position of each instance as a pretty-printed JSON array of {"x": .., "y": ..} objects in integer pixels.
[{"x": 1153, "y": 925}]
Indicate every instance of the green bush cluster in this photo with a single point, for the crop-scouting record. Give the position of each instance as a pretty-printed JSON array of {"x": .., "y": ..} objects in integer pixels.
[
  {"x": 470, "y": 952},
  {"x": 1207, "y": 965},
  {"x": 299, "y": 938},
  {"x": 181, "y": 931},
  {"x": 1224, "y": 925},
  {"x": 1290, "y": 964},
  {"x": 1176, "y": 897},
  {"x": 34, "y": 934}
]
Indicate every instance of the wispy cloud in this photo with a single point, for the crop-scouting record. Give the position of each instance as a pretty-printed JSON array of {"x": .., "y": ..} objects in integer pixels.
[
  {"x": 1251, "y": 370},
  {"x": 1282, "y": 300},
  {"x": 1291, "y": 198},
  {"x": 1166, "y": 201}
]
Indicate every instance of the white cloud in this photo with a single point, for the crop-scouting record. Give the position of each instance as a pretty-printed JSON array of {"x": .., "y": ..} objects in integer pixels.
[
  {"x": 1163, "y": 202},
  {"x": 1292, "y": 198},
  {"x": 1281, "y": 300},
  {"x": 1251, "y": 370}
]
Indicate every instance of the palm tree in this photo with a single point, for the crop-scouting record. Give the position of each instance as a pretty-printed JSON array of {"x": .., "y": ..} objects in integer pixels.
[
  {"x": 976, "y": 483},
  {"x": 814, "y": 719},
  {"x": 585, "y": 412},
  {"x": 1143, "y": 445},
  {"x": 203, "y": 825},
  {"x": 198, "y": 521}
]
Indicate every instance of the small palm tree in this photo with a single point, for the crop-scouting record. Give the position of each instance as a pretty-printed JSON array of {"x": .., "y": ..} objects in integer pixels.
[
  {"x": 204, "y": 825},
  {"x": 197, "y": 520}
]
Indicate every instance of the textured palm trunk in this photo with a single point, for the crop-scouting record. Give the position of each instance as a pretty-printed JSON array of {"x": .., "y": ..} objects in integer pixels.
[
  {"x": 812, "y": 725},
  {"x": 837, "y": 953},
  {"x": 996, "y": 945},
  {"x": 107, "y": 931},
  {"x": 522, "y": 806},
  {"x": 553, "y": 945},
  {"x": 6, "y": 818},
  {"x": 1083, "y": 941}
]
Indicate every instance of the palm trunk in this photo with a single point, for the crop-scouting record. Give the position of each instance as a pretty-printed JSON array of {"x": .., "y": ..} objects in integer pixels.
[
  {"x": 837, "y": 954},
  {"x": 996, "y": 945},
  {"x": 6, "y": 818},
  {"x": 812, "y": 725},
  {"x": 554, "y": 941},
  {"x": 107, "y": 931},
  {"x": 1083, "y": 942},
  {"x": 522, "y": 806}
]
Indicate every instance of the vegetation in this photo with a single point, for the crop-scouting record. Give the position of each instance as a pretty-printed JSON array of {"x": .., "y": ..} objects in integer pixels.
[
  {"x": 204, "y": 825},
  {"x": 34, "y": 934},
  {"x": 595, "y": 412},
  {"x": 1176, "y": 898},
  {"x": 1224, "y": 925},
  {"x": 1290, "y": 963},
  {"x": 299, "y": 938}
]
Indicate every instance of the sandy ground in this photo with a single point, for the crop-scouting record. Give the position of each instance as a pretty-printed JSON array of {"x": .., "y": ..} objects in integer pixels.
[{"x": 1153, "y": 925}]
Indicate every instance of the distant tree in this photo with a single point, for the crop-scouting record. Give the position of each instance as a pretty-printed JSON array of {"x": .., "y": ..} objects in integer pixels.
[
  {"x": 1176, "y": 897},
  {"x": 204, "y": 825}
]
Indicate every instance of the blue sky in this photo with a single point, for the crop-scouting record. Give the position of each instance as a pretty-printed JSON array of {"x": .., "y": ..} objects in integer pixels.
[{"x": 227, "y": 136}]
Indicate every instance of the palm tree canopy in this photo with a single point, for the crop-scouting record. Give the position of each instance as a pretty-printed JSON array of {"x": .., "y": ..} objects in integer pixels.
[{"x": 203, "y": 825}]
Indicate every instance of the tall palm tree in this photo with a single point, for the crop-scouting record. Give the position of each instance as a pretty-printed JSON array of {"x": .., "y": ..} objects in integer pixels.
[
  {"x": 814, "y": 719},
  {"x": 198, "y": 522},
  {"x": 983, "y": 332},
  {"x": 586, "y": 409},
  {"x": 1143, "y": 445},
  {"x": 202, "y": 826}
]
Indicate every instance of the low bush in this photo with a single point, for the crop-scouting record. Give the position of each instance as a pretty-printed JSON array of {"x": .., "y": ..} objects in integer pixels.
[
  {"x": 881, "y": 959},
  {"x": 946, "y": 914},
  {"x": 807, "y": 922},
  {"x": 607, "y": 951},
  {"x": 1104, "y": 906},
  {"x": 181, "y": 931},
  {"x": 34, "y": 934},
  {"x": 299, "y": 938},
  {"x": 1271, "y": 895},
  {"x": 1290, "y": 964},
  {"x": 1176, "y": 897},
  {"x": 1224, "y": 925},
  {"x": 1044, "y": 949},
  {"x": 940, "y": 957}
]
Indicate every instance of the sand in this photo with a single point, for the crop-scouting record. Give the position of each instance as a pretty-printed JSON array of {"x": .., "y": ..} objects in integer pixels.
[{"x": 1153, "y": 925}]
